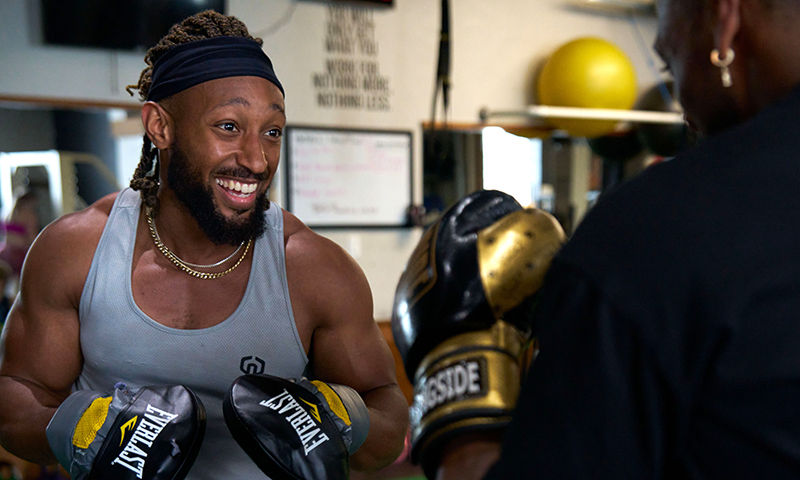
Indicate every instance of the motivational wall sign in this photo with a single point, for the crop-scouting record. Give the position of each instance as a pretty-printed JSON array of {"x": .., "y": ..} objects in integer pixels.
[{"x": 351, "y": 78}]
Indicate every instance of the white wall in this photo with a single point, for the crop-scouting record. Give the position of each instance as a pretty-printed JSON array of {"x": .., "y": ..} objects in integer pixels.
[{"x": 497, "y": 47}]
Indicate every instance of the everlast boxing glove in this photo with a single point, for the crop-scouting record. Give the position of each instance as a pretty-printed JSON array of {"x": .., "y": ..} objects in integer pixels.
[
  {"x": 153, "y": 434},
  {"x": 296, "y": 429},
  {"x": 463, "y": 316}
]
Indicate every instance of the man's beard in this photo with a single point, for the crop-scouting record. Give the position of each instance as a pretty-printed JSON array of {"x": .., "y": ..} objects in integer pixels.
[{"x": 198, "y": 198}]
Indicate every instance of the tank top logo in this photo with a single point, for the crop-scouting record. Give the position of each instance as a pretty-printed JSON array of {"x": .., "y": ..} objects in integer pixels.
[{"x": 251, "y": 365}]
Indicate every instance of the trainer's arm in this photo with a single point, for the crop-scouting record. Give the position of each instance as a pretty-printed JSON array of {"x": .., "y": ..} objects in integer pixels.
[
  {"x": 348, "y": 348},
  {"x": 469, "y": 456},
  {"x": 40, "y": 353},
  {"x": 593, "y": 403}
]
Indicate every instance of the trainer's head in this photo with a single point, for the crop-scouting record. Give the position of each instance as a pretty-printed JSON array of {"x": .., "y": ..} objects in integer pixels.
[
  {"x": 759, "y": 38},
  {"x": 214, "y": 112}
]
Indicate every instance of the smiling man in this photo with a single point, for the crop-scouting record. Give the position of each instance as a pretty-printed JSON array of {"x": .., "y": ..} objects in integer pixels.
[{"x": 173, "y": 289}]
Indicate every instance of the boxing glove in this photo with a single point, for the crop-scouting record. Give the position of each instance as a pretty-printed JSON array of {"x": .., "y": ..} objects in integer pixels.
[
  {"x": 463, "y": 315},
  {"x": 152, "y": 434},
  {"x": 296, "y": 429}
]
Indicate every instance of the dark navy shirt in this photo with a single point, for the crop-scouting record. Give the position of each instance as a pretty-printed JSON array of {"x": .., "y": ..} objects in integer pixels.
[{"x": 669, "y": 325}]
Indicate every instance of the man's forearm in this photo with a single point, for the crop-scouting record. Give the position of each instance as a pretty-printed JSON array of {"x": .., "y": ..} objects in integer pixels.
[
  {"x": 24, "y": 414},
  {"x": 469, "y": 457},
  {"x": 388, "y": 416}
]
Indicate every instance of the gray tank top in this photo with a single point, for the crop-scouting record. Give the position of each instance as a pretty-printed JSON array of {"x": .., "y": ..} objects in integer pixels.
[{"x": 122, "y": 344}]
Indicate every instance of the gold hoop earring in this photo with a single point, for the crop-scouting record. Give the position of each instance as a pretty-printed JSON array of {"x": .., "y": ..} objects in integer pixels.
[{"x": 723, "y": 65}]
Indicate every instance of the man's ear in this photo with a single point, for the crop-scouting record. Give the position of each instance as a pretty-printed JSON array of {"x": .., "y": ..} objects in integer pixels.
[
  {"x": 158, "y": 125},
  {"x": 728, "y": 23}
]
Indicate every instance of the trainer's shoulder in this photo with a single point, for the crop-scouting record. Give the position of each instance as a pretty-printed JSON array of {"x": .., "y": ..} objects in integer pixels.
[
  {"x": 670, "y": 205},
  {"x": 654, "y": 223}
]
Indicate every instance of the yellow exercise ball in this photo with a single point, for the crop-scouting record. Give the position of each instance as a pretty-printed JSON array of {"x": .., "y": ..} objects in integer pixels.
[{"x": 587, "y": 72}]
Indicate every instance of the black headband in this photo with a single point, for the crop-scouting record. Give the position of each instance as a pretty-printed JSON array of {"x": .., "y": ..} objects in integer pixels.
[{"x": 193, "y": 63}]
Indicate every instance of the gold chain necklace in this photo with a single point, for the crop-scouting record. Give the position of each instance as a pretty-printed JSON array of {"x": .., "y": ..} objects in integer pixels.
[
  {"x": 189, "y": 264},
  {"x": 183, "y": 265}
]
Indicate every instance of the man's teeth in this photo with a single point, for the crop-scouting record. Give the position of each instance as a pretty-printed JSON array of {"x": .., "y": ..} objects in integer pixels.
[{"x": 245, "y": 188}]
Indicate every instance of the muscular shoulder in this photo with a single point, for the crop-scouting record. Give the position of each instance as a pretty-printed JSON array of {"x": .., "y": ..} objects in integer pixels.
[
  {"x": 67, "y": 246},
  {"x": 72, "y": 231},
  {"x": 321, "y": 274}
]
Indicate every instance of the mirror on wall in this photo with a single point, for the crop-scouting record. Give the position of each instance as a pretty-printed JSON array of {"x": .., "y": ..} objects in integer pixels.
[
  {"x": 70, "y": 157},
  {"x": 547, "y": 169}
]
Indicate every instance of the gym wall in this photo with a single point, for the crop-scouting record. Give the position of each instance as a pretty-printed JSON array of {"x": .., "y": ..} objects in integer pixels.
[{"x": 497, "y": 48}]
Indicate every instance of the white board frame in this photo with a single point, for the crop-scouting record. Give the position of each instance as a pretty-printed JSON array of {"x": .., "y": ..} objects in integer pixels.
[{"x": 364, "y": 199}]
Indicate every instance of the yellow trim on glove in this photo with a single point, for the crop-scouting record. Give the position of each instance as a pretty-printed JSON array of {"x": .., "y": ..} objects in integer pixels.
[
  {"x": 334, "y": 402},
  {"x": 90, "y": 422}
]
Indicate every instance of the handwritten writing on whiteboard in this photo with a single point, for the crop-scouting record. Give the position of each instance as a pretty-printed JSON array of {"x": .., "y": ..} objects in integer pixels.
[{"x": 348, "y": 177}]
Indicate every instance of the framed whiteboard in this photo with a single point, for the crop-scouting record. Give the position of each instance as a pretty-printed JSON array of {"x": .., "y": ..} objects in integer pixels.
[{"x": 348, "y": 178}]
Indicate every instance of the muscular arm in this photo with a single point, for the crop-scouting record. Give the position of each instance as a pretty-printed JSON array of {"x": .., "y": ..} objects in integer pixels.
[
  {"x": 347, "y": 346},
  {"x": 40, "y": 354},
  {"x": 354, "y": 353}
]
